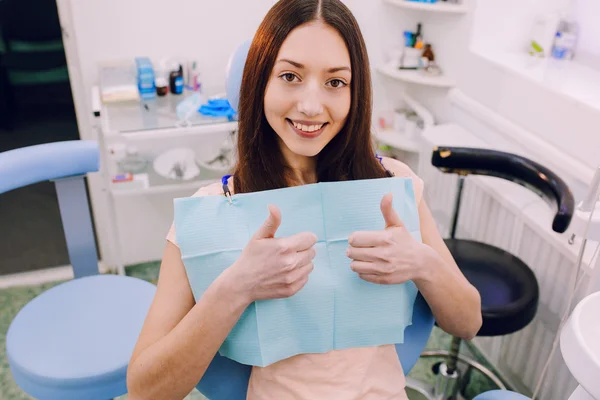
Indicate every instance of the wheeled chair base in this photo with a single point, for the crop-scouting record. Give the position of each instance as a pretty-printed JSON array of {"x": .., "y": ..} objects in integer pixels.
[{"x": 451, "y": 386}]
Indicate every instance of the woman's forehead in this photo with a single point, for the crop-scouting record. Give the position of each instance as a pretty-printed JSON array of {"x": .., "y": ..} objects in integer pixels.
[{"x": 315, "y": 46}]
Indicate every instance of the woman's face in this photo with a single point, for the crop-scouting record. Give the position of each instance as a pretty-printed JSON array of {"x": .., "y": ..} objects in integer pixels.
[{"x": 308, "y": 94}]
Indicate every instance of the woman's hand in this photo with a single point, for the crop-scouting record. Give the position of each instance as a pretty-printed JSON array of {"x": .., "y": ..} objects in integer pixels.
[
  {"x": 389, "y": 256},
  {"x": 271, "y": 268}
]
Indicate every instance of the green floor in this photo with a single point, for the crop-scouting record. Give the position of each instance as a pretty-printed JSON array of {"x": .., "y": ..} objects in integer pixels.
[{"x": 13, "y": 299}]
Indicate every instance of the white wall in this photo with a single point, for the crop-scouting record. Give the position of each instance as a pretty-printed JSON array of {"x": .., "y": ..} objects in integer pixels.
[
  {"x": 109, "y": 30},
  {"x": 506, "y": 24},
  {"x": 113, "y": 30},
  {"x": 587, "y": 12}
]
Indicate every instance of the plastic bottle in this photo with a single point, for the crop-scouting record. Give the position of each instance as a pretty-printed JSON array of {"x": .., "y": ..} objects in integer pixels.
[
  {"x": 176, "y": 80},
  {"x": 543, "y": 32},
  {"x": 565, "y": 40}
]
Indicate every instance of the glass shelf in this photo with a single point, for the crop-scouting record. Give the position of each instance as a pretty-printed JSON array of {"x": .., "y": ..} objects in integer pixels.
[
  {"x": 152, "y": 183},
  {"x": 159, "y": 114}
]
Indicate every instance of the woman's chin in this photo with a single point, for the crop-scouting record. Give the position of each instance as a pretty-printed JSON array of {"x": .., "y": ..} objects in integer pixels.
[{"x": 306, "y": 149}]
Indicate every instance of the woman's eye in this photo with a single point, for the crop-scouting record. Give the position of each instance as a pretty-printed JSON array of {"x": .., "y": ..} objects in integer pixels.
[
  {"x": 337, "y": 83},
  {"x": 288, "y": 77}
]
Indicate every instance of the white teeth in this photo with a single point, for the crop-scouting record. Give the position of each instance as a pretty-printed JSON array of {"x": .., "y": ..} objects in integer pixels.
[{"x": 307, "y": 128}]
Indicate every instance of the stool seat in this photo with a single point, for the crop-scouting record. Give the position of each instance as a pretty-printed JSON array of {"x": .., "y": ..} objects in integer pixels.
[
  {"x": 508, "y": 287},
  {"x": 501, "y": 395},
  {"x": 75, "y": 340}
]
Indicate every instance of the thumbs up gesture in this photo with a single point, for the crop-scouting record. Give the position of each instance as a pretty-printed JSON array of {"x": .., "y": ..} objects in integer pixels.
[
  {"x": 270, "y": 267},
  {"x": 388, "y": 256}
]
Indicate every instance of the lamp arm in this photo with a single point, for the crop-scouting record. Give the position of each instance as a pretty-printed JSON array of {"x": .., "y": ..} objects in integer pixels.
[
  {"x": 593, "y": 193},
  {"x": 586, "y": 224}
]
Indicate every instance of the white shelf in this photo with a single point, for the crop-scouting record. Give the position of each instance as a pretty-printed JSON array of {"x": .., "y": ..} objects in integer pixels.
[
  {"x": 565, "y": 78},
  {"x": 169, "y": 132},
  {"x": 190, "y": 186},
  {"x": 415, "y": 76},
  {"x": 398, "y": 141},
  {"x": 439, "y": 7}
]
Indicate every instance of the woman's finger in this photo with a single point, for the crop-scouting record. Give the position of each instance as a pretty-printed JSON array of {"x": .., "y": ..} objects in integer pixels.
[
  {"x": 379, "y": 279},
  {"x": 305, "y": 257},
  {"x": 368, "y": 238},
  {"x": 299, "y": 273},
  {"x": 369, "y": 254},
  {"x": 298, "y": 285},
  {"x": 363, "y": 267},
  {"x": 298, "y": 242}
]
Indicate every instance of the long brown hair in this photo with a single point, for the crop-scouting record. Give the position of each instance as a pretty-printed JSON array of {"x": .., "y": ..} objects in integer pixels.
[{"x": 350, "y": 154}]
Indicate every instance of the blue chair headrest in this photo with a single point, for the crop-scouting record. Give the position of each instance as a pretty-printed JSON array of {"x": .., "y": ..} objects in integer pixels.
[
  {"x": 43, "y": 162},
  {"x": 234, "y": 72}
]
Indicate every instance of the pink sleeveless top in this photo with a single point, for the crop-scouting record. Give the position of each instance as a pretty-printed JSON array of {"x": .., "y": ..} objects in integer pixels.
[{"x": 368, "y": 373}]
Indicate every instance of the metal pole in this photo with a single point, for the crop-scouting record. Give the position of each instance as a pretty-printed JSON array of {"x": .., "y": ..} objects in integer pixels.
[
  {"x": 77, "y": 225},
  {"x": 461, "y": 182}
]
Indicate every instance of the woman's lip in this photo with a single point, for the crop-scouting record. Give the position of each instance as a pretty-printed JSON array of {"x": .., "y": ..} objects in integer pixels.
[
  {"x": 306, "y": 135},
  {"x": 307, "y": 123}
]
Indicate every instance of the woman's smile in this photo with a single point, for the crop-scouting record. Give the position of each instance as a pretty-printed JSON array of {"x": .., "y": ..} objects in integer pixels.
[{"x": 307, "y": 129}]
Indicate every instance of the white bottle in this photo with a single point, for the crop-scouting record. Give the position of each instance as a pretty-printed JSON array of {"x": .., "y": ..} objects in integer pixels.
[
  {"x": 565, "y": 40},
  {"x": 542, "y": 34}
]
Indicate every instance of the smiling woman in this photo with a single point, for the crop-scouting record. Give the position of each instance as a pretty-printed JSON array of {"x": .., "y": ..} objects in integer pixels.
[
  {"x": 305, "y": 109},
  {"x": 304, "y": 117}
]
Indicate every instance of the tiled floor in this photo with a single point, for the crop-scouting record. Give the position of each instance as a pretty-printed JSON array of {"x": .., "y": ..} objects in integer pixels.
[{"x": 13, "y": 299}]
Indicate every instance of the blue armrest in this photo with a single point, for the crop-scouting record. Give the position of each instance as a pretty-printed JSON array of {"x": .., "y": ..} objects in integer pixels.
[{"x": 32, "y": 164}]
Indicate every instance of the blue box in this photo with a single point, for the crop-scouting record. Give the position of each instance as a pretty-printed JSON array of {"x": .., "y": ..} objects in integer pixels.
[
  {"x": 145, "y": 78},
  {"x": 144, "y": 67}
]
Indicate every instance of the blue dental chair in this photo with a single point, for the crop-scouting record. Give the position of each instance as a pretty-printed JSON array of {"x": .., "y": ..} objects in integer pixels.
[{"x": 73, "y": 341}]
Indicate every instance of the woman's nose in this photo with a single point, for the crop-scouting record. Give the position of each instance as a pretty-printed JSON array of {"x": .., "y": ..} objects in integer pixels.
[{"x": 310, "y": 102}]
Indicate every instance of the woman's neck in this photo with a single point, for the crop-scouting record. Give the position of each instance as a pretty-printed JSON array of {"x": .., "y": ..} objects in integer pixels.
[{"x": 303, "y": 168}]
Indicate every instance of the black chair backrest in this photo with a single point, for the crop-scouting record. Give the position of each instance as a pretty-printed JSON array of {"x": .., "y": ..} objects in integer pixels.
[
  {"x": 29, "y": 20},
  {"x": 517, "y": 169}
]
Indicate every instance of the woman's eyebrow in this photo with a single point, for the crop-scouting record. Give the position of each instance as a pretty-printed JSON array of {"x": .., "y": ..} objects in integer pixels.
[
  {"x": 300, "y": 66},
  {"x": 336, "y": 69},
  {"x": 294, "y": 63}
]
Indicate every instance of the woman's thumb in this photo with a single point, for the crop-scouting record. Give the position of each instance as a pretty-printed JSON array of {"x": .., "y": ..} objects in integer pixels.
[
  {"x": 271, "y": 224},
  {"x": 390, "y": 215}
]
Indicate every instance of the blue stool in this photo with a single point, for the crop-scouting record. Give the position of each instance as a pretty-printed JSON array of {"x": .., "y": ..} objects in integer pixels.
[
  {"x": 73, "y": 341},
  {"x": 500, "y": 395}
]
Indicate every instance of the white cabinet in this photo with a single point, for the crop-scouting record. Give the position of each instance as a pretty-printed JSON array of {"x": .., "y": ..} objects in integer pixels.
[{"x": 148, "y": 159}]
